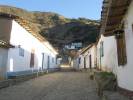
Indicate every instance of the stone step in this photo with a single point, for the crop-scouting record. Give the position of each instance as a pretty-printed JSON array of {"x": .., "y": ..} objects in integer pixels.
[
  {"x": 110, "y": 95},
  {"x": 67, "y": 69}
]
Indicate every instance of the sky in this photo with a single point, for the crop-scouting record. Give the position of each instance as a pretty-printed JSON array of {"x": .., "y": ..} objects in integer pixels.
[{"x": 90, "y": 9}]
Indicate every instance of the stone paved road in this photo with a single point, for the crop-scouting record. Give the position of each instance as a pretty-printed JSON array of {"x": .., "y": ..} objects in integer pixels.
[{"x": 55, "y": 86}]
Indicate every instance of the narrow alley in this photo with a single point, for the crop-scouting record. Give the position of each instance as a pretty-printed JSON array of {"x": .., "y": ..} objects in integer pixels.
[
  {"x": 56, "y": 86},
  {"x": 66, "y": 50}
]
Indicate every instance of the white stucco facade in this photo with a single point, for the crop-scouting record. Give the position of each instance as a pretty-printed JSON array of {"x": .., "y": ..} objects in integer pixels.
[
  {"x": 44, "y": 53},
  {"x": 125, "y": 72},
  {"x": 107, "y": 62}
]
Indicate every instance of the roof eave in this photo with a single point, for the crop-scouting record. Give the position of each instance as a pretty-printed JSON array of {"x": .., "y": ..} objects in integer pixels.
[{"x": 112, "y": 15}]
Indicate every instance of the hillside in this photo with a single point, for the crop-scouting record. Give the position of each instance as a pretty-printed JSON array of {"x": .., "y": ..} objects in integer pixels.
[{"x": 56, "y": 28}]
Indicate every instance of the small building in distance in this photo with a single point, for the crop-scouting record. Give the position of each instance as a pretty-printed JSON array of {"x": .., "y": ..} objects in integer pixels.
[{"x": 73, "y": 46}]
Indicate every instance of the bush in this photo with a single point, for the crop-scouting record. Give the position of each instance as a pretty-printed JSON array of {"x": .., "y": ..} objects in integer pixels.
[{"x": 105, "y": 81}]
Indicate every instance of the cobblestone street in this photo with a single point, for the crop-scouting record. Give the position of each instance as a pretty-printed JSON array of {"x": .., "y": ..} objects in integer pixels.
[{"x": 55, "y": 86}]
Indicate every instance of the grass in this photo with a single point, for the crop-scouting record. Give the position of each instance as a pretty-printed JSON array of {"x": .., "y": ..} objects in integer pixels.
[{"x": 106, "y": 74}]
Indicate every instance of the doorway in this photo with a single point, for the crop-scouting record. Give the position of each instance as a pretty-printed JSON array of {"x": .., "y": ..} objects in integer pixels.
[
  {"x": 90, "y": 61},
  {"x": 48, "y": 62},
  {"x": 42, "y": 61},
  {"x": 32, "y": 61}
]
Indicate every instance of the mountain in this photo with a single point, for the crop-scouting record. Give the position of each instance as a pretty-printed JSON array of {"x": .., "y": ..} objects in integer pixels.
[{"x": 56, "y": 28}]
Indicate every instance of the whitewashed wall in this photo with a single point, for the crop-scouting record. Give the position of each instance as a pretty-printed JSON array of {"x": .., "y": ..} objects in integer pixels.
[
  {"x": 109, "y": 60},
  {"x": 19, "y": 36},
  {"x": 125, "y": 73}
]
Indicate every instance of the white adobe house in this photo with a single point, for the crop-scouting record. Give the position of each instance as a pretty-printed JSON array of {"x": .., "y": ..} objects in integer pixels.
[
  {"x": 117, "y": 26},
  {"x": 86, "y": 58},
  {"x": 21, "y": 50}
]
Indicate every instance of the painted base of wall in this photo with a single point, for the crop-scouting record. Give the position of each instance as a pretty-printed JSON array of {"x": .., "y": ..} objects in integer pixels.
[
  {"x": 30, "y": 72},
  {"x": 18, "y": 79},
  {"x": 15, "y": 79},
  {"x": 126, "y": 92},
  {"x": 23, "y": 73}
]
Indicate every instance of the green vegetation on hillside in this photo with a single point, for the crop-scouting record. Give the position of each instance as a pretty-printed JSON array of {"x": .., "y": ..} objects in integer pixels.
[{"x": 56, "y": 28}]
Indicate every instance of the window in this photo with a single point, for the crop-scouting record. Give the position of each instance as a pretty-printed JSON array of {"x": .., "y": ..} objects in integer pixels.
[{"x": 21, "y": 52}]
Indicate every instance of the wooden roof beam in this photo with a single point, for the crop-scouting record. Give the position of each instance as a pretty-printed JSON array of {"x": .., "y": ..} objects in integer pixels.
[
  {"x": 111, "y": 29},
  {"x": 109, "y": 33},
  {"x": 116, "y": 14},
  {"x": 121, "y": 6},
  {"x": 112, "y": 23}
]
